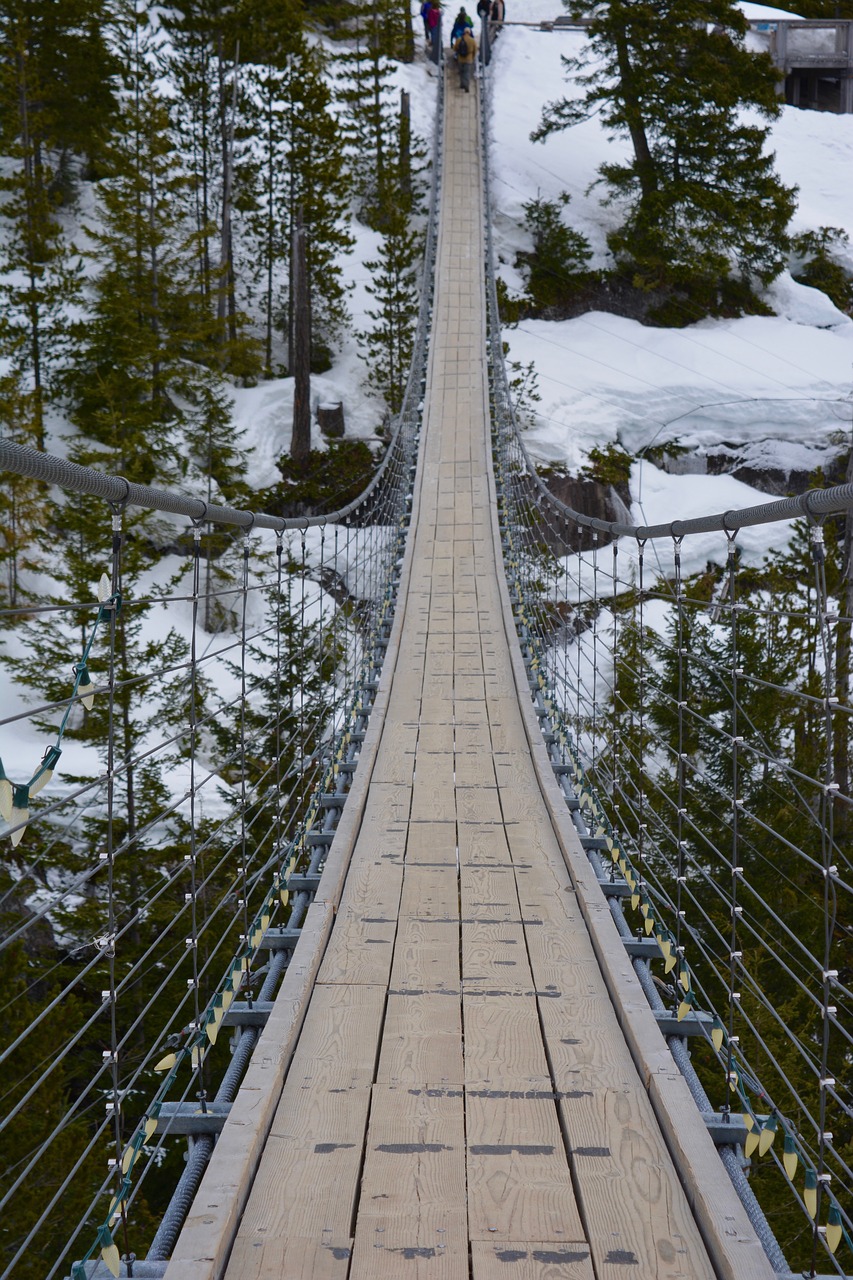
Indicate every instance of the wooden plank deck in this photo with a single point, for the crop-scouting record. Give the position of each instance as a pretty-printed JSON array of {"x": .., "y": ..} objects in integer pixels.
[{"x": 462, "y": 1103}]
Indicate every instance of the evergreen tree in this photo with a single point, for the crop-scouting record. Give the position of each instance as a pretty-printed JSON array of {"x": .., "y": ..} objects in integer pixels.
[
  {"x": 57, "y": 80},
  {"x": 366, "y": 95},
  {"x": 702, "y": 200},
  {"x": 298, "y": 165},
  {"x": 394, "y": 274},
  {"x": 38, "y": 276},
  {"x": 152, "y": 338},
  {"x": 393, "y": 285}
]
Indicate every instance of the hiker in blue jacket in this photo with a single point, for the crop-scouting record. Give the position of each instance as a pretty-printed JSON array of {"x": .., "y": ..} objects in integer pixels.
[{"x": 460, "y": 24}]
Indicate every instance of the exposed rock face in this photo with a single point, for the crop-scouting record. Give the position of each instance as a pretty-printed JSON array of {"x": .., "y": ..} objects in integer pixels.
[
  {"x": 601, "y": 501},
  {"x": 778, "y": 472}
]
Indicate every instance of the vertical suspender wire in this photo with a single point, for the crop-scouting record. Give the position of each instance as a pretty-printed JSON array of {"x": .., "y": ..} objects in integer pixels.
[
  {"x": 110, "y": 941},
  {"x": 320, "y": 642},
  {"x": 614, "y": 693},
  {"x": 568, "y": 645},
  {"x": 303, "y": 579},
  {"x": 595, "y": 618},
  {"x": 279, "y": 677},
  {"x": 242, "y": 870},
  {"x": 734, "y": 953},
  {"x": 346, "y": 638},
  {"x": 641, "y": 717},
  {"x": 566, "y": 633},
  {"x": 680, "y": 878},
  {"x": 579, "y": 629},
  {"x": 193, "y": 718},
  {"x": 826, "y": 837},
  {"x": 334, "y": 648}
]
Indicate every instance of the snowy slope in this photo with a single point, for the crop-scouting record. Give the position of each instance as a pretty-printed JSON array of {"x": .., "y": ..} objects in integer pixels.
[{"x": 777, "y": 390}]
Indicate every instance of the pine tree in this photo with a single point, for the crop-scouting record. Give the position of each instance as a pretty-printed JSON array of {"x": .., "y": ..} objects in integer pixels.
[
  {"x": 394, "y": 274},
  {"x": 38, "y": 274},
  {"x": 367, "y": 98},
  {"x": 701, "y": 198},
  {"x": 393, "y": 285},
  {"x": 301, "y": 166},
  {"x": 57, "y": 69}
]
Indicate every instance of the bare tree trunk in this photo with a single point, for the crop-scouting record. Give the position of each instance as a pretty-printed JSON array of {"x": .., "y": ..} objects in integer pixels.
[
  {"x": 646, "y": 172},
  {"x": 843, "y": 645},
  {"x": 225, "y": 300},
  {"x": 300, "y": 443},
  {"x": 33, "y": 256},
  {"x": 408, "y": 34},
  {"x": 405, "y": 143}
]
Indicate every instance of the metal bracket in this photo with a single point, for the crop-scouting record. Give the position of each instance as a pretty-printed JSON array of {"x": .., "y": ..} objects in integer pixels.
[
  {"x": 242, "y": 1014},
  {"x": 642, "y": 948},
  {"x": 186, "y": 1117},
  {"x": 281, "y": 939},
  {"x": 304, "y": 884},
  {"x": 615, "y": 888},
  {"x": 693, "y": 1024}
]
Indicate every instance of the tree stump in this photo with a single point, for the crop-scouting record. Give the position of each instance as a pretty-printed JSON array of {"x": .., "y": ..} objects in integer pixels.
[{"x": 330, "y": 418}]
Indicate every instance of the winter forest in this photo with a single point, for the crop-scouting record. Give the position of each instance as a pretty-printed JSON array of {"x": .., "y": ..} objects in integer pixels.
[{"x": 211, "y": 220}]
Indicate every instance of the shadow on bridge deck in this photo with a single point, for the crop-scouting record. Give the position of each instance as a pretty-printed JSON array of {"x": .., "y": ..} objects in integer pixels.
[{"x": 460, "y": 1100}]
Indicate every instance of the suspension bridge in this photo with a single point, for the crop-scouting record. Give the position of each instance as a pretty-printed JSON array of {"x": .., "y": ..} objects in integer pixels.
[{"x": 459, "y": 938}]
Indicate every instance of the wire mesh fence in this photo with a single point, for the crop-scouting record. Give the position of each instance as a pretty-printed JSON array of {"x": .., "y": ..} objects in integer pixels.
[
  {"x": 695, "y": 695},
  {"x": 176, "y": 750}
]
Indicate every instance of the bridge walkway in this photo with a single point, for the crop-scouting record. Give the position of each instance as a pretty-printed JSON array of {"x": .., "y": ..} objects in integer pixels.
[{"x": 461, "y": 1101}]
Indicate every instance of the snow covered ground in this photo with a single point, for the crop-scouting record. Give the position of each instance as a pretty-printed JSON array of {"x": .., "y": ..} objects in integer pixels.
[{"x": 777, "y": 389}]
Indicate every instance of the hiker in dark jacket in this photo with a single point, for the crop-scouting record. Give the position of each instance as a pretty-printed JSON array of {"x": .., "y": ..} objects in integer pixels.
[
  {"x": 465, "y": 49},
  {"x": 461, "y": 23},
  {"x": 433, "y": 22}
]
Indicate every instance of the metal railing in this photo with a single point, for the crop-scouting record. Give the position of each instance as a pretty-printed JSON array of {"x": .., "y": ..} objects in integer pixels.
[{"x": 696, "y": 703}]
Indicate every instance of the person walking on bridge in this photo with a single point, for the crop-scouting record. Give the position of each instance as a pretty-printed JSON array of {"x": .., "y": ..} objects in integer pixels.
[
  {"x": 465, "y": 49},
  {"x": 460, "y": 23},
  {"x": 433, "y": 25}
]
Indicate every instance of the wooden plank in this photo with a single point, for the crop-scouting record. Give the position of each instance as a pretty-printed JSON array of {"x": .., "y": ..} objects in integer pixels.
[
  {"x": 503, "y": 1043},
  {"x": 426, "y": 954},
  {"x": 435, "y": 738},
  {"x": 411, "y": 1214},
  {"x": 469, "y": 688},
  {"x": 519, "y": 1183},
  {"x": 317, "y": 1137},
  {"x": 480, "y": 804},
  {"x": 415, "y": 1153},
  {"x": 297, "y": 1258},
  {"x": 361, "y": 946},
  {"x": 483, "y": 845},
  {"x": 531, "y": 1260},
  {"x": 322, "y": 1186},
  {"x": 432, "y": 843},
  {"x": 337, "y": 1046},
  {"x": 494, "y": 956},
  {"x": 395, "y": 759},
  {"x": 433, "y": 795},
  {"x": 205, "y": 1241},
  {"x": 489, "y": 892},
  {"x": 469, "y": 739},
  {"x": 435, "y": 1248},
  {"x": 634, "y": 1208},
  {"x": 474, "y": 769},
  {"x": 422, "y": 1040}
]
